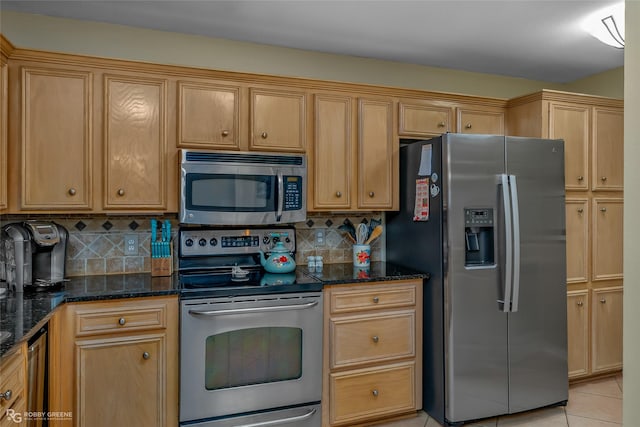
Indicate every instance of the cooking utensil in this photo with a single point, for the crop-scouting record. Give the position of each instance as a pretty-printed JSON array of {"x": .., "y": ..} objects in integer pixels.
[
  {"x": 375, "y": 233},
  {"x": 373, "y": 224},
  {"x": 362, "y": 233},
  {"x": 349, "y": 227},
  {"x": 346, "y": 229}
]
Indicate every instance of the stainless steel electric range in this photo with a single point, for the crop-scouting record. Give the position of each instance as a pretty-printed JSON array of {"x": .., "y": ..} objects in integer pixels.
[{"x": 251, "y": 342}]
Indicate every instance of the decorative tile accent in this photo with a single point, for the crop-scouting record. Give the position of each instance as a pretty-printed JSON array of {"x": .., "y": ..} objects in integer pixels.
[
  {"x": 107, "y": 225},
  {"x": 133, "y": 225},
  {"x": 80, "y": 225},
  {"x": 309, "y": 223},
  {"x": 328, "y": 223}
]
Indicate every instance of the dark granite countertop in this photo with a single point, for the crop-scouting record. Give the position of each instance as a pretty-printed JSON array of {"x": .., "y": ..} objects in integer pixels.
[{"x": 23, "y": 314}]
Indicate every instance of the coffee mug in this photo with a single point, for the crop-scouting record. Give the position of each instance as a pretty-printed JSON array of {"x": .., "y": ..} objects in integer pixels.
[{"x": 361, "y": 255}]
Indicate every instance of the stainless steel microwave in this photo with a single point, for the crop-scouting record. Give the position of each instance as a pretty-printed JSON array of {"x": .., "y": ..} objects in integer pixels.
[{"x": 242, "y": 188}]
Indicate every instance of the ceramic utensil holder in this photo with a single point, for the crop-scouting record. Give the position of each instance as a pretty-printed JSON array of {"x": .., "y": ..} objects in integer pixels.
[{"x": 361, "y": 255}]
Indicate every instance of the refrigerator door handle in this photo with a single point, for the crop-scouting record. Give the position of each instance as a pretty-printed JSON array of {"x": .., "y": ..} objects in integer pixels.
[
  {"x": 506, "y": 203},
  {"x": 513, "y": 186}
]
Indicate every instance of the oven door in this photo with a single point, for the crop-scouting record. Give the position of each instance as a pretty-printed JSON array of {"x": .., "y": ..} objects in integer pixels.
[{"x": 244, "y": 354}]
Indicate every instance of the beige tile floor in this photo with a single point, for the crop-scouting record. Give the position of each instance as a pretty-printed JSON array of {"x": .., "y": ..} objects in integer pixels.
[{"x": 597, "y": 403}]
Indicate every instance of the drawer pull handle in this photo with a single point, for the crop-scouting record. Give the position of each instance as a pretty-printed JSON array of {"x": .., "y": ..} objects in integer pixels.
[
  {"x": 225, "y": 133},
  {"x": 338, "y": 194},
  {"x": 376, "y": 300},
  {"x": 146, "y": 355},
  {"x": 603, "y": 209},
  {"x": 6, "y": 395},
  {"x": 264, "y": 135},
  {"x": 603, "y": 300},
  {"x": 72, "y": 191},
  {"x": 604, "y": 178},
  {"x": 580, "y": 210},
  {"x": 441, "y": 124},
  {"x": 375, "y": 338},
  {"x": 375, "y": 392},
  {"x": 120, "y": 192},
  {"x": 122, "y": 321},
  {"x": 371, "y": 194},
  {"x": 580, "y": 178},
  {"x": 579, "y": 303},
  {"x": 467, "y": 126}
]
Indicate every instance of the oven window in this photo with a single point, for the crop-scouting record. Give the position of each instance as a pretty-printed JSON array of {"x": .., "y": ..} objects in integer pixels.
[
  {"x": 230, "y": 193},
  {"x": 253, "y": 356}
]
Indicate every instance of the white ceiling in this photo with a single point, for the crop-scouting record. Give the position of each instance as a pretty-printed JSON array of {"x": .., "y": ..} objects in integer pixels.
[{"x": 533, "y": 39}]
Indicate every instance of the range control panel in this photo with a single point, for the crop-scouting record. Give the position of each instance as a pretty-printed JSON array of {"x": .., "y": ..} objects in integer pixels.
[{"x": 207, "y": 241}]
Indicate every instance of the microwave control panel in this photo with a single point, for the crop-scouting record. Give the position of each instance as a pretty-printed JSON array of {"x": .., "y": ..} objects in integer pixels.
[{"x": 292, "y": 193}]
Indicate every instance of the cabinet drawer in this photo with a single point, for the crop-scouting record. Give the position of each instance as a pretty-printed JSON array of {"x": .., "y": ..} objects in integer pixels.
[
  {"x": 12, "y": 378},
  {"x": 372, "y": 393},
  {"x": 368, "y": 339},
  {"x": 19, "y": 407},
  {"x": 359, "y": 300},
  {"x": 104, "y": 318}
]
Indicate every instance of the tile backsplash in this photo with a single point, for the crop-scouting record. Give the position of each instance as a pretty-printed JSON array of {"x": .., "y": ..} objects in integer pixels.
[{"x": 96, "y": 243}]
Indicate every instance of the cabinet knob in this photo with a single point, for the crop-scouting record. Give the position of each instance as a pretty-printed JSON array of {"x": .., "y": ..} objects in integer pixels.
[
  {"x": 579, "y": 303},
  {"x": 225, "y": 133},
  {"x": 72, "y": 191},
  {"x": 120, "y": 191},
  {"x": 604, "y": 178},
  {"x": 375, "y": 338},
  {"x": 6, "y": 395},
  {"x": 603, "y": 300},
  {"x": 338, "y": 194},
  {"x": 603, "y": 209},
  {"x": 580, "y": 210},
  {"x": 146, "y": 355},
  {"x": 122, "y": 321},
  {"x": 376, "y": 300},
  {"x": 441, "y": 124},
  {"x": 580, "y": 178},
  {"x": 467, "y": 126},
  {"x": 375, "y": 392},
  {"x": 371, "y": 194},
  {"x": 264, "y": 135}
]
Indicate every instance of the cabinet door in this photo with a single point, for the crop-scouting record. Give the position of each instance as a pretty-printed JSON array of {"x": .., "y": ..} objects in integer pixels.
[
  {"x": 208, "y": 116},
  {"x": 333, "y": 148},
  {"x": 56, "y": 133},
  {"x": 377, "y": 156},
  {"x": 121, "y": 381},
  {"x": 577, "y": 219},
  {"x": 608, "y": 147},
  {"x": 423, "y": 119},
  {"x": 607, "y": 329},
  {"x": 578, "y": 332},
  {"x": 570, "y": 122},
  {"x": 478, "y": 121},
  {"x": 607, "y": 238},
  {"x": 4, "y": 106},
  {"x": 135, "y": 143},
  {"x": 278, "y": 120}
]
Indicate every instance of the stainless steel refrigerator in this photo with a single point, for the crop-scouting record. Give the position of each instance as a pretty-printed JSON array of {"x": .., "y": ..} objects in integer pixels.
[{"x": 485, "y": 216}]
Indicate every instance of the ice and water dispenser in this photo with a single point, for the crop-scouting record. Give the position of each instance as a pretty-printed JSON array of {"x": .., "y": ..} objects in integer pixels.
[{"x": 478, "y": 234}]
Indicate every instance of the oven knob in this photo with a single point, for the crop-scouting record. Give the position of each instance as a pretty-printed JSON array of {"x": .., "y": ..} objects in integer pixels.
[
  {"x": 288, "y": 240},
  {"x": 276, "y": 239},
  {"x": 188, "y": 242},
  {"x": 202, "y": 242},
  {"x": 213, "y": 241},
  {"x": 265, "y": 239}
]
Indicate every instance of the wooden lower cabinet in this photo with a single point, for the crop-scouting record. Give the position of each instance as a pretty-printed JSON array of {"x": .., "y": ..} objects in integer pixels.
[
  {"x": 118, "y": 363},
  {"x": 606, "y": 329},
  {"x": 13, "y": 386},
  {"x": 578, "y": 332},
  {"x": 372, "y": 352}
]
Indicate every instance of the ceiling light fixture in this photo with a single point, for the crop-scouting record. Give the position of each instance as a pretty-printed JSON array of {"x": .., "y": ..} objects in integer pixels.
[{"x": 607, "y": 25}]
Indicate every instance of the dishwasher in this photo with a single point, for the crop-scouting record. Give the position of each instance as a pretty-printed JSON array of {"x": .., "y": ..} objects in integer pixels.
[{"x": 37, "y": 379}]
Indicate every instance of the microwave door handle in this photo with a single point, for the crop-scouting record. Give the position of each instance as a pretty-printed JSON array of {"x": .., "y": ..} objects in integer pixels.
[{"x": 280, "y": 197}]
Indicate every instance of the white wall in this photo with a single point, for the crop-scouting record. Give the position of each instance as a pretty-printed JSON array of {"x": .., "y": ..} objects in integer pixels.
[
  {"x": 116, "y": 41},
  {"x": 631, "y": 393}
]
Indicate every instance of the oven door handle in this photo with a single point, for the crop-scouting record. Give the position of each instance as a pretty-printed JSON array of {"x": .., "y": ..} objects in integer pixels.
[
  {"x": 252, "y": 310},
  {"x": 282, "y": 420}
]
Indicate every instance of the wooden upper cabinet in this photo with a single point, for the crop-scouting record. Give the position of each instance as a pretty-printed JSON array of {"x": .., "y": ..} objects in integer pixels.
[
  {"x": 278, "y": 119},
  {"x": 607, "y": 238},
  {"x": 608, "y": 147},
  {"x": 56, "y": 139},
  {"x": 377, "y": 156},
  {"x": 480, "y": 121},
  {"x": 423, "y": 119},
  {"x": 208, "y": 116},
  {"x": 135, "y": 142},
  {"x": 577, "y": 220},
  {"x": 606, "y": 329},
  {"x": 570, "y": 122},
  {"x": 332, "y": 152},
  {"x": 4, "y": 107}
]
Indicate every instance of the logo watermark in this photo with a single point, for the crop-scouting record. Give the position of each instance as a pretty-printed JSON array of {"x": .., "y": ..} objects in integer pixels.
[{"x": 18, "y": 416}]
